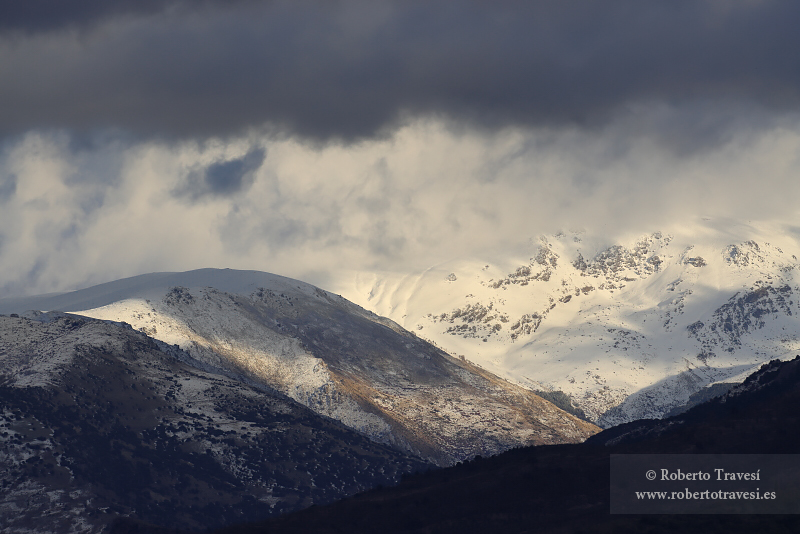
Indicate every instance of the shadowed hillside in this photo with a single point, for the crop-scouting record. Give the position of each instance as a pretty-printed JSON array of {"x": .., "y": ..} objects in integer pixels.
[{"x": 565, "y": 488}]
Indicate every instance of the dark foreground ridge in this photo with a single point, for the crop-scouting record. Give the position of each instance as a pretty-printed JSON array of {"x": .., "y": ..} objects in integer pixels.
[{"x": 565, "y": 488}]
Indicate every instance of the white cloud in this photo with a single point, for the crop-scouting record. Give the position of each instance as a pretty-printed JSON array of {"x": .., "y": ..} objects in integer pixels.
[{"x": 424, "y": 195}]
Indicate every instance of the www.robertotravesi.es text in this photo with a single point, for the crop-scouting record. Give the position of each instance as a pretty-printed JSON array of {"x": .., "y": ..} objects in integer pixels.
[{"x": 705, "y": 495}]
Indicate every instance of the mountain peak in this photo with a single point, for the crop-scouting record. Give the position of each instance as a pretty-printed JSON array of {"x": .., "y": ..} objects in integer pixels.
[
  {"x": 628, "y": 329},
  {"x": 340, "y": 360}
]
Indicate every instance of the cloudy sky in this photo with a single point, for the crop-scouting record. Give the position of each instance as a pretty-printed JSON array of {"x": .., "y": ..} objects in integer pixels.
[{"x": 302, "y": 137}]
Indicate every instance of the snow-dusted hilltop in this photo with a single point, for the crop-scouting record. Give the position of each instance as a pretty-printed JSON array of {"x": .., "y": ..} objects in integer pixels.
[
  {"x": 99, "y": 422},
  {"x": 335, "y": 357},
  {"x": 628, "y": 329}
]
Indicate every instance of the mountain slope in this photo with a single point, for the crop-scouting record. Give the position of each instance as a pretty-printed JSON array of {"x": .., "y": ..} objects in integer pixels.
[
  {"x": 100, "y": 422},
  {"x": 565, "y": 488},
  {"x": 332, "y": 356},
  {"x": 628, "y": 329}
]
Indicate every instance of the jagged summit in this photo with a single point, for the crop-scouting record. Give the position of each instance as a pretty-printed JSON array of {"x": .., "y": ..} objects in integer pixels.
[{"x": 629, "y": 329}]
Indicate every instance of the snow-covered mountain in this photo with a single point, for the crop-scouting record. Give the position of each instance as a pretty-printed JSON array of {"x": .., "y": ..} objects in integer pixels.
[
  {"x": 629, "y": 329},
  {"x": 330, "y": 355},
  {"x": 99, "y": 422}
]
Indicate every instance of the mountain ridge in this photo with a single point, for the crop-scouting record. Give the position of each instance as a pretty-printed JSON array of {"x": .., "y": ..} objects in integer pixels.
[
  {"x": 340, "y": 360},
  {"x": 628, "y": 330},
  {"x": 100, "y": 422}
]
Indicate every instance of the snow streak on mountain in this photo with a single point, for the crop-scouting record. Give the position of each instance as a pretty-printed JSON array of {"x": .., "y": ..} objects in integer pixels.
[
  {"x": 330, "y": 355},
  {"x": 629, "y": 330}
]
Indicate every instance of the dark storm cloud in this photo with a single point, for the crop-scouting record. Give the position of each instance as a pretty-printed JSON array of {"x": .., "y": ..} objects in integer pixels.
[
  {"x": 356, "y": 69},
  {"x": 43, "y": 15},
  {"x": 39, "y": 15},
  {"x": 228, "y": 177},
  {"x": 223, "y": 178}
]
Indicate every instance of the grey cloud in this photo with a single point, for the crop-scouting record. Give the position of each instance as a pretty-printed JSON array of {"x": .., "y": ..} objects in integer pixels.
[
  {"x": 350, "y": 70},
  {"x": 223, "y": 178},
  {"x": 25, "y": 280},
  {"x": 228, "y": 177},
  {"x": 279, "y": 232},
  {"x": 40, "y": 15},
  {"x": 383, "y": 244},
  {"x": 8, "y": 186},
  {"x": 32, "y": 16}
]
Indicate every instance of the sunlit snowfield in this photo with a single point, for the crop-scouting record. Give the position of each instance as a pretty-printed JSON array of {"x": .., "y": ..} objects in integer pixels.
[{"x": 656, "y": 317}]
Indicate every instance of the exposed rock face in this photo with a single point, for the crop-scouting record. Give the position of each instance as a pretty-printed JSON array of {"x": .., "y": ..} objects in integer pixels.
[
  {"x": 99, "y": 422},
  {"x": 741, "y": 315},
  {"x": 628, "y": 330}
]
